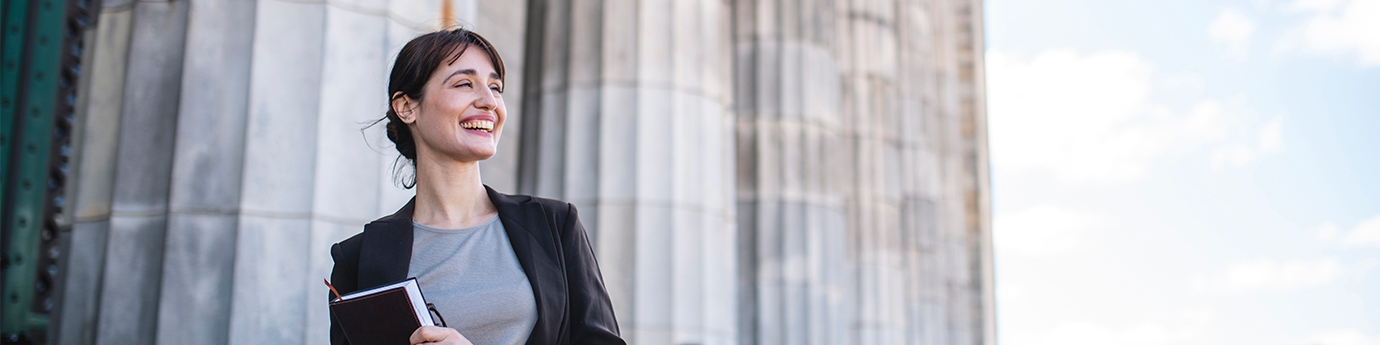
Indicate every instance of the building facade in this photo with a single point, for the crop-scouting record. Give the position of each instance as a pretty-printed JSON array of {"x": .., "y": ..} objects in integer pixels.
[{"x": 750, "y": 171}]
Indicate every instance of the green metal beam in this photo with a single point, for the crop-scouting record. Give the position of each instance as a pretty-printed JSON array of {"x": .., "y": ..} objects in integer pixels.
[
  {"x": 15, "y": 13},
  {"x": 34, "y": 120}
]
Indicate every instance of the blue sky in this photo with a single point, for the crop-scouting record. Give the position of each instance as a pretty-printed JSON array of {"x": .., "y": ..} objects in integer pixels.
[{"x": 1185, "y": 172}]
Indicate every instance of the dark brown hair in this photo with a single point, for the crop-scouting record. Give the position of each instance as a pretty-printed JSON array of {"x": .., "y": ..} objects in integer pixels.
[{"x": 417, "y": 61}]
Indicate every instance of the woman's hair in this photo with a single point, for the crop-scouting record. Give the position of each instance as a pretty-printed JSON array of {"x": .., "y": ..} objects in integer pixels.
[{"x": 417, "y": 61}]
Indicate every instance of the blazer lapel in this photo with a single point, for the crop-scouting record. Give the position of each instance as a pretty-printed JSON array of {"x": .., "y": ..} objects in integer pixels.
[
  {"x": 386, "y": 252},
  {"x": 525, "y": 221}
]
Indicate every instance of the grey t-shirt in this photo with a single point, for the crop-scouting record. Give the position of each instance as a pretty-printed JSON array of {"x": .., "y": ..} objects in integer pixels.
[{"x": 474, "y": 279}]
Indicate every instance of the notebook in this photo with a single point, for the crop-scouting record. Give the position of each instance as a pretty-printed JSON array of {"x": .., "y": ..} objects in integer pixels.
[{"x": 384, "y": 315}]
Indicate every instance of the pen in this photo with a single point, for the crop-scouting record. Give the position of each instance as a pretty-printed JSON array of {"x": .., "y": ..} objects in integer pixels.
[{"x": 328, "y": 284}]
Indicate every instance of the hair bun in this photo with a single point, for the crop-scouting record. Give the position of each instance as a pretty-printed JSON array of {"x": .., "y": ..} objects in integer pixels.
[{"x": 401, "y": 136}]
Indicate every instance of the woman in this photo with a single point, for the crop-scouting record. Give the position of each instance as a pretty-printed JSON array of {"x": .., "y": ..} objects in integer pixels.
[{"x": 501, "y": 269}]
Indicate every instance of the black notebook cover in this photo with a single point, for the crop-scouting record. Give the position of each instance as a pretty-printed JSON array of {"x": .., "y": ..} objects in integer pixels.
[{"x": 382, "y": 317}]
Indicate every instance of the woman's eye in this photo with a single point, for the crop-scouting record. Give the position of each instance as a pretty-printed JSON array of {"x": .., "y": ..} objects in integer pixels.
[
  {"x": 465, "y": 84},
  {"x": 496, "y": 88}
]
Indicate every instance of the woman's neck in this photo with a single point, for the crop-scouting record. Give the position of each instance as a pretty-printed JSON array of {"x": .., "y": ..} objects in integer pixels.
[{"x": 450, "y": 195}]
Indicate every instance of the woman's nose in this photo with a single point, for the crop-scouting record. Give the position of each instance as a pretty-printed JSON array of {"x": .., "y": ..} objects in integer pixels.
[{"x": 486, "y": 100}]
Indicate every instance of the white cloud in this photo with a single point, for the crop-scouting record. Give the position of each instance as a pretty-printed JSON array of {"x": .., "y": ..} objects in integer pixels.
[
  {"x": 1235, "y": 154},
  {"x": 1199, "y": 316},
  {"x": 1234, "y": 29},
  {"x": 1269, "y": 140},
  {"x": 1365, "y": 234},
  {"x": 1086, "y": 118},
  {"x": 1266, "y": 274},
  {"x": 1043, "y": 230},
  {"x": 1232, "y": 26},
  {"x": 1337, "y": 27},
  {"x": 1315, "y": 5},
  {"x": 1007, "y": 293},
  {"x": 1144, "y": 333},
  {"x": 1326, "y": 231},
  {"x": 1185, "y": 83},
  {"x": 1271, "y": 135},
  {"x": 1342, "y": 337}
]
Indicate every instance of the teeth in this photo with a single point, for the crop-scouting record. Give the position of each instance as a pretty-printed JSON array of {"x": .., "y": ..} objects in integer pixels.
[{"x": 487, "y": 126}]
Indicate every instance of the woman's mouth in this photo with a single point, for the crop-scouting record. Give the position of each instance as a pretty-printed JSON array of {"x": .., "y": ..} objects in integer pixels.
[{"x": 478, "y": 125}]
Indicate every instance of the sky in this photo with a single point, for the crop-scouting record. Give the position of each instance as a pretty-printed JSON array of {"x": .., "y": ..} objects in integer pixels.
[{"x": 1185, "y": 171}]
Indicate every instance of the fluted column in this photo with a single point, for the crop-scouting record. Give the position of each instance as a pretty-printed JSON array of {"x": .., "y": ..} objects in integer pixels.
[
  {"x": 872, "y": 125},
  {"x": 976, "y": 187},
  {"x": 923, "y": 179},
  {"x": 270, "y": 292},
  {"x": 143, "y": 165},
  {"x": 980, "y": 206},
  {"x": 794, "y": 166},
  {"x": 194, "y": 302},
  {"x": 946, "y": 226},
  {"x": 353, "y": 86},
  {"x": 633, "y": 128},
  {"x": 885, "y": 176},
  {"x": 96, "y": 135}
]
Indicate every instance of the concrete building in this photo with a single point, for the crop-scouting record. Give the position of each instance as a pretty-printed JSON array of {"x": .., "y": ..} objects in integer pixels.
[{"x": 751, "y": 172}]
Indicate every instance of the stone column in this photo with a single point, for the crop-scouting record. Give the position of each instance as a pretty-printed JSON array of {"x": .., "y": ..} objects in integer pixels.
[
  {"x": 925, "y": 199},
  {"x": 194, "y": 303},
  {"x": 793, "y": 168},
  {"x": 971, "y": 75},
  {"x": 313, "y": 172},
  {"x": 143, "y": 167},
  {"x": 873, "y": 131},
  {"x": 947, "y": 225},
  {"x": 269, "y": 291},
  {"x": 857, "y": 184},
  {"x": 96, "y": 135},
  {"x": 633, "y": 128},
  {"x": 346, "y": 194}
]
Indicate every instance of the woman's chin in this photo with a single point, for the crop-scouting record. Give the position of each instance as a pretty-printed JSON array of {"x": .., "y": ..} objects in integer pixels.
[
  {"x": 475, "y": 154},
  {"x": 459, "y": 155}
]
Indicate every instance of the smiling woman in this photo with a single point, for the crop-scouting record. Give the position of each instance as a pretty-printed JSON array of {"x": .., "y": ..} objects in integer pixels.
[
  {"x": 420, "y": 70},
  {"x": 503, "y": 269}
]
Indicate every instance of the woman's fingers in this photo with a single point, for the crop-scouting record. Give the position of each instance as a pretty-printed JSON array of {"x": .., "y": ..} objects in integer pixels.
[
  {"x": 437, "y": 335},
  {"x": 423, "y": 334}
]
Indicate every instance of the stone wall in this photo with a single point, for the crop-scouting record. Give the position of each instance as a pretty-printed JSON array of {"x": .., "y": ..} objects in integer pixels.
[
  {"x": 754, "y": 172},
  {"x": 858, "y": 173}
]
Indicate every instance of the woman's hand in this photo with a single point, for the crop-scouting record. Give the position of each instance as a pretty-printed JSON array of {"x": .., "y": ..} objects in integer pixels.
[{"x": 437, "y": 335}]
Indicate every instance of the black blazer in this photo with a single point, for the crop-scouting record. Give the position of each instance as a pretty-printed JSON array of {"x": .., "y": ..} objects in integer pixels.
[{"x": 551, "y": 246}]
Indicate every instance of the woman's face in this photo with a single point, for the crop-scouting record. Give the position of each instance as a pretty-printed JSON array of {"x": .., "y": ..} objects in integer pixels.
[{"x": 461, "y": 114}]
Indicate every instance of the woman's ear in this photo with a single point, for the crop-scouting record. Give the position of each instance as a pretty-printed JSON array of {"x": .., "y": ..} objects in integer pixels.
[{"x": 405, "y": 107}]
